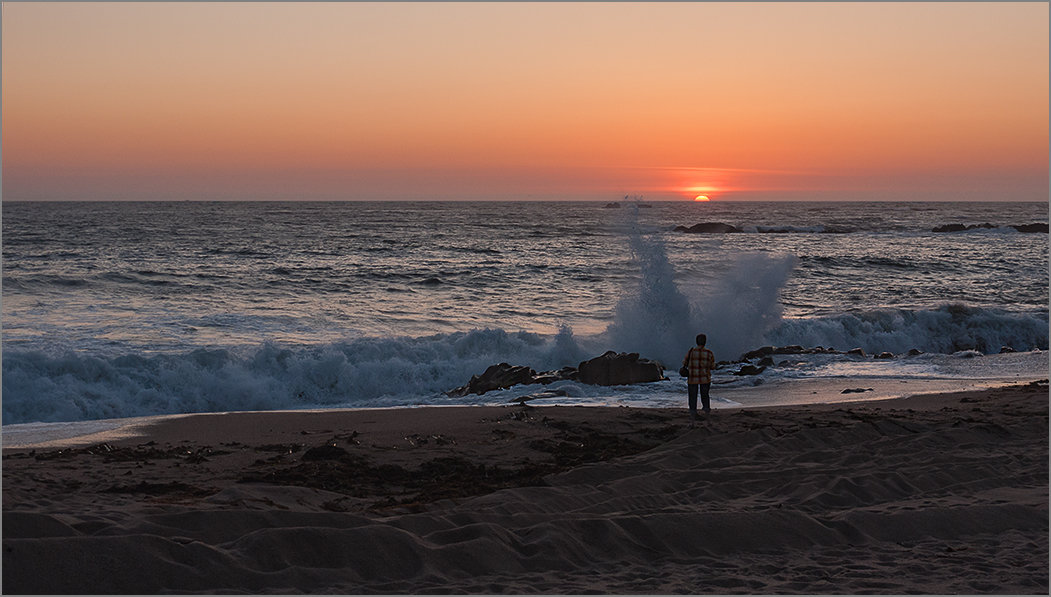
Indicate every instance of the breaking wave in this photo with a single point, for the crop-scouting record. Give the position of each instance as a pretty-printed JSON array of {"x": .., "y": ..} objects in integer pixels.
[{"x": 407, "y": 371}]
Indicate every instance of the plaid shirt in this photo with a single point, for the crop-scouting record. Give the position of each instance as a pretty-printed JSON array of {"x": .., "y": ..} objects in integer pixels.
[{"x": 700, "y": 361}]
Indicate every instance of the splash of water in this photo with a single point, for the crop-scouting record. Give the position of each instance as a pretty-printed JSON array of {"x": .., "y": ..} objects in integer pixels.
[
  {"x": 745, "y": 304},
  {"x": 658, "y": 321}
]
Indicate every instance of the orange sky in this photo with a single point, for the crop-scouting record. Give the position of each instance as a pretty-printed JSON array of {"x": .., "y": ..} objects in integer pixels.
[{"x": 517, "y": 100}]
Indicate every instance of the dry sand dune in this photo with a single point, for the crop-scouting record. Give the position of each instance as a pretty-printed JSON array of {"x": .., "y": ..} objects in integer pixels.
[{"x": 930, "y": 494}]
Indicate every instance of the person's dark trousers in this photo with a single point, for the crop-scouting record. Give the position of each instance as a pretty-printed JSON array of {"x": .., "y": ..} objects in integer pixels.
[{"x": 706, "y": 401}]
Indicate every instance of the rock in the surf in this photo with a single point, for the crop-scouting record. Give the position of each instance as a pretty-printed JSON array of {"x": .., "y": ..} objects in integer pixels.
[
  {"x": 616, "y": 369},
  {"x": 496, "y": 377},
  {"x": 1035, "y": 227},
  {"x": 750, "y": 370}
]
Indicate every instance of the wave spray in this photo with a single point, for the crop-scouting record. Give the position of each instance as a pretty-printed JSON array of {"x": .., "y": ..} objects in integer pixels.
[{"x": 736, "y": 311}]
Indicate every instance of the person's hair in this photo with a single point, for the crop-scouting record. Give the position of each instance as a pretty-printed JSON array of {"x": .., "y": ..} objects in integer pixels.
[{"x": 702, "y": 339}]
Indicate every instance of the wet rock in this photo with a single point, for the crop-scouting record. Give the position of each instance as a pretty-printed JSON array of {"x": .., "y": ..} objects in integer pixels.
[
  {"x": 1005, "y": 349},
  {"x": 856, "y": 390},
  {"x": 766, "y": 362},
  {"x": 857, "y": 352},
  {"x": 759, "y": 352},
  {"x": 914, "y": 352},
  {"x": 539, "y": 395},
  {"x": 750, "y": 370},
  {"x": 496, "y": 377},
  {"x": 884, "y": 355},
  {"x": 549, "y": 377},
  {"x": 615, "y": 369}
]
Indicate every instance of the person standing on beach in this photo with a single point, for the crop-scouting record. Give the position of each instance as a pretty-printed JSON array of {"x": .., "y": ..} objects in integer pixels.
[{"x": 699, "y": 362}]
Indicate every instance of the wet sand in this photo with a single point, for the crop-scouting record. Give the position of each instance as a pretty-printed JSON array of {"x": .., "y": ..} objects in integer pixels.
[{"x": 930, "y": 494}]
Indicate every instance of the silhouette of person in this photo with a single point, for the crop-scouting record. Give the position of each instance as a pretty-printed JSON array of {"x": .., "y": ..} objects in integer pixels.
[{"x": 699, "y": 361}]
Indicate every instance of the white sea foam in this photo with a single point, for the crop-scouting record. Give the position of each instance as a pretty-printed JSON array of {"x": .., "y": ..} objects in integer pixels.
[{"x": 396, "y": 371}]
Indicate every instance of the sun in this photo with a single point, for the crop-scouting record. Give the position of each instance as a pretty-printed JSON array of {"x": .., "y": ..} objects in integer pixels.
[{"x": 701, "y": 198}]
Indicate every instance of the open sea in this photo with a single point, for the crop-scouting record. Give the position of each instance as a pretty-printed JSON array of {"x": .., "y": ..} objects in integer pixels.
[{"x": 116, "y": 309}]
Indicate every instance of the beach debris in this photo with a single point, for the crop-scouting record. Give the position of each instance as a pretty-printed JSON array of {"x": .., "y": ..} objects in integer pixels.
[
  {"x": 856, "y": 390},
  {"x": 326, "y": 452},
  {"x": 158, "y": 489},
  {"x": 280, "y": 448},
  {"x": 415, "y": 440}
]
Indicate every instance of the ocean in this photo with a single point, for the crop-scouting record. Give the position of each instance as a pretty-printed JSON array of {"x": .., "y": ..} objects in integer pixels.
[{"x": 123, "y": 309}]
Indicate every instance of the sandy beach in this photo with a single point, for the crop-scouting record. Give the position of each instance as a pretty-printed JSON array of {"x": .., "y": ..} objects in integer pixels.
[{"x": 927, "y": 494}]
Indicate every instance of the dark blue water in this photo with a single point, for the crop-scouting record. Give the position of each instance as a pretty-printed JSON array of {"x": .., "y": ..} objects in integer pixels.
[{"x": 122, "y": 309}]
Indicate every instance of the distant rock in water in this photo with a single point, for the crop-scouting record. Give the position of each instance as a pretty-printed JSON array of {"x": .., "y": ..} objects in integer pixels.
[
  {"x": 719, "y": 227},
  {"x": 1034, "y": 227},
  {"x": 960, "y": 227},
  {"x": 708, "y": 227},
  {"x": 613, "y": 205},
  {"x": 617, "y": 369}
]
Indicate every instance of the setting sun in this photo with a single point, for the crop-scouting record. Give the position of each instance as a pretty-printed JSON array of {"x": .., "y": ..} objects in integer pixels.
[{"x": 701, "y": 198}]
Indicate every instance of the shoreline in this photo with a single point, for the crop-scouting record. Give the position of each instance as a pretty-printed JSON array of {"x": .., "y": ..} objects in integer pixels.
[
  {"x": 64, "y": 434},
  {"x": 933, "y": 493}
]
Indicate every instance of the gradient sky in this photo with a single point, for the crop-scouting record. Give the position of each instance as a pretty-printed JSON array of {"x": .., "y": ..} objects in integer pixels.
[{"x": 851, "y": 101}]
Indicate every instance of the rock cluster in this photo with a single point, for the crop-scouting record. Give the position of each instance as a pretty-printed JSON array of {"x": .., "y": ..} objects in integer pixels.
[
  {"x": 719, "y": 227},
  {"x": 610, "y": 369},
  {"x": 764, "y": 353},
  {"x": 792, "y": 349}
]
